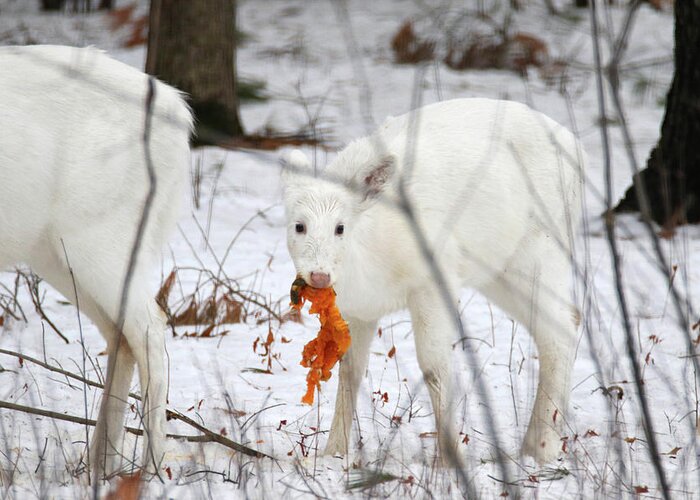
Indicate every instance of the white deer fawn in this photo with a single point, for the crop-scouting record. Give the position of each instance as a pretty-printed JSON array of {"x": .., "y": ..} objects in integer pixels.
[
  {"x": 494, "y": 188},
  {"x": 73, "y": 186}
]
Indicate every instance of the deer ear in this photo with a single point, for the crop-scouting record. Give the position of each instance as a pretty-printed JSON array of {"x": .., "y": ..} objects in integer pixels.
[
  {"x": 296, "y": 167},
  {"x": 377, "y": 176}
]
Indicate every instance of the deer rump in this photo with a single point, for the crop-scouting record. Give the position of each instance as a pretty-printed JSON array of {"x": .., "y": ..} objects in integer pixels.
[{"x": 73, "y": 186}]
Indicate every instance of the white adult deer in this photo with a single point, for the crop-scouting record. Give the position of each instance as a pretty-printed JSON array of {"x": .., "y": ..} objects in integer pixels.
[
  {"x": 495, "y": 189},
  {"x": 73, "y": 185}
]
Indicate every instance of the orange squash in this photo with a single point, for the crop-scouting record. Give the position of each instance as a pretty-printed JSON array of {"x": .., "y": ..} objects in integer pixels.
[{"x": 322, "y": 353}]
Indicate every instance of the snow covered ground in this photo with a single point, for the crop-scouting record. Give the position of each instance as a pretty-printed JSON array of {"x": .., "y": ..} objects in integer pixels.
[{"x": 332, "y": 67}]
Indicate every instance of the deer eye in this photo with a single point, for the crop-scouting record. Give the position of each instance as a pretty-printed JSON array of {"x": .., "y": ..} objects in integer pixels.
[
  {"x": 339, "y": 229},
  {"x": 300, "y": 228}
]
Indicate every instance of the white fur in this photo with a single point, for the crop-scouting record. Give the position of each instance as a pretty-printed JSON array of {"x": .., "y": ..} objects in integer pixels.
[
  {"x": 73, "y": 175},
  {"x": 495, "y": 187}
]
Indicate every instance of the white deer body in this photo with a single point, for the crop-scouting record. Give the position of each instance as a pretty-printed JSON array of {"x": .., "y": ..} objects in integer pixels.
[
  {"x": 73, "y": 185},
  {"x": 495, "y": 188}
]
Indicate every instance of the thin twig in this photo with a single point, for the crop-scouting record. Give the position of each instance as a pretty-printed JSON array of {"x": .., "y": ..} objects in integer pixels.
[
  {"x": 83, "y": 350},
  {"x": 33, "y": 287},
  {"x": 617, "y": 270},
  {"x": 63, "y": 372}
]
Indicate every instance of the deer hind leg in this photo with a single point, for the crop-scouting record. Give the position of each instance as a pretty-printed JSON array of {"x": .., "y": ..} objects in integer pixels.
[
  {"x": 144, "y": 331},
  {"x": 108, "y": 454},
  {"x": 142, "y": 342},
  {"x": 536, "y": 293}
]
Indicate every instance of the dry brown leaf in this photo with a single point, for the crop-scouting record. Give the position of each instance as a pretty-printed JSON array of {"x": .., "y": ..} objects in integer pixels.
[
  {"x": 673, "y": 452},
  {"x": 121, "y": 16},
  {"x": 209, "y": 311},
  {"x": 207, "y": 331},
  {"x": 233, "y": 310},
  {"x": 139, "y": 32},
  {"x": 408, "y": 48},
  {"x": 164, "y": 292},
  {"x": 188, "y": 316}
]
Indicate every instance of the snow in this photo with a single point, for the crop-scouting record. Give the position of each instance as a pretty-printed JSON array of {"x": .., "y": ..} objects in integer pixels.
[{"x": 317, "y": 66}]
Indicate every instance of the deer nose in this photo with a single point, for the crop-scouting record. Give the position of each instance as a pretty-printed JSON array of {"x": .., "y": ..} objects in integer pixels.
[{"x": 320, "y": 280}]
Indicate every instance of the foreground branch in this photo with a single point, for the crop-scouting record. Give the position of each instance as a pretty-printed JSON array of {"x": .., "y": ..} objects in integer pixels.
[
  {"x": 208, "y": 435},
  {"x": 217, "y": 438},
  {"x": 72, "y": 418}
]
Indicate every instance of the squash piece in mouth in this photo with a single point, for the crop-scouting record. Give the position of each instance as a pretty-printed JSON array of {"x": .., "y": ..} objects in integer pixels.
[{"x": 321, "y": 354}]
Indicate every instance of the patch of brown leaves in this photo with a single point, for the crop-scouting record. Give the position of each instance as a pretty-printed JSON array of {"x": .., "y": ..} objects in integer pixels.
[{"x": 408, "y": 48}]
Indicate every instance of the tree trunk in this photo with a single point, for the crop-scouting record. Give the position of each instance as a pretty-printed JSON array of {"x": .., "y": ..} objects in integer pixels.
[
  {"x": 671, "y": 179},
  {"x": 106, "y": 5},
  {"x": 52, "y": 4},
  {"x": 191, "y": 45}
]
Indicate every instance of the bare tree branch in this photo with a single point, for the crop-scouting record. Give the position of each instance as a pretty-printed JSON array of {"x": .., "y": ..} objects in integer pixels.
[
  {"x": 171, "y": 414},
  {"x": 207, "y": 437}
]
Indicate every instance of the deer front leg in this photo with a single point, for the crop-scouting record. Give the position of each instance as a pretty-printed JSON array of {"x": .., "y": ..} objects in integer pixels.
[{"x": 352, "y": 368}]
